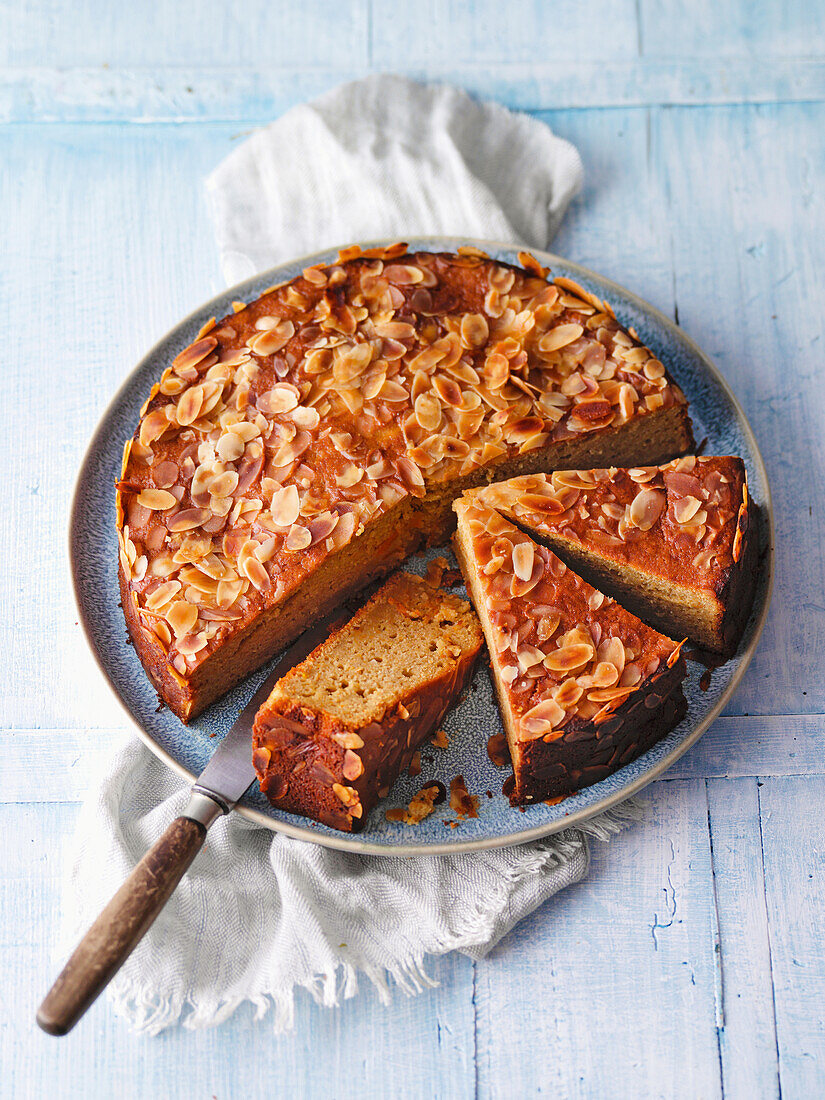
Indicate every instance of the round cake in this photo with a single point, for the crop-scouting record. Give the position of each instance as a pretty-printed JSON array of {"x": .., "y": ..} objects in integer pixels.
[{"x": 307, "y": 444}]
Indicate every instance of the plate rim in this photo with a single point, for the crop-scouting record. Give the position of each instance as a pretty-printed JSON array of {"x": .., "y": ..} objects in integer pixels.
[{"x": 362, "y": 846}]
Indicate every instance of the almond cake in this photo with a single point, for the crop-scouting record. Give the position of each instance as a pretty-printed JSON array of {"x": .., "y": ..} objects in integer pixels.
[
  {"x": 583, "y": 685},
  {"x": 338, "y": 729},
  {"x": 676, "y": 543},
  {"x": 307, "y": 444}
]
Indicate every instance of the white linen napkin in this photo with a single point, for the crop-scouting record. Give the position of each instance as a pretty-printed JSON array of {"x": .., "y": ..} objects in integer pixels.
[{"x": 259, "y": 914}]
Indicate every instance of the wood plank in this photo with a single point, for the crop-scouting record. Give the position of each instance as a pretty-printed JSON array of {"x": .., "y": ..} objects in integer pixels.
[
  {"x": 719, "y": 30},
  {"x": 734, "y": 747},
  {"x": 794, "y": 859},
  {"x": 426, "y": 1042},
  {"x": 168, "y": 34},
  {"x": 741, "y": 184},
  {"x": 425, "y": 33},
  {"x": 747, "y": 1034},
  {"x": 244, "y": 94},
  {"x": 751, "y": 745},
  {"x": 610, "y": 988},
  {"x": 125, "y": 250}
]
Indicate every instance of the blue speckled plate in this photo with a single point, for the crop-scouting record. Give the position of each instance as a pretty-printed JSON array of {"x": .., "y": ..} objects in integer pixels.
[{"x": 93, "y": 549}]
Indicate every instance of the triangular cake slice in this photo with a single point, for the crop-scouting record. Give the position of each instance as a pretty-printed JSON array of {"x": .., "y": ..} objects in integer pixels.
[
  {"x": 340, "y": 727},
  {"x": 677, "y": 544},
  {"x": 583, "y": 685}
]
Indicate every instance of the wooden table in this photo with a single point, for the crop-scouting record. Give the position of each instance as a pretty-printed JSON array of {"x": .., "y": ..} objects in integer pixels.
[{"x": 691, "y": 961}]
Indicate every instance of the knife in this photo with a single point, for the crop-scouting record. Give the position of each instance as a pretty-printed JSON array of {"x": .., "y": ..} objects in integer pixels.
[{"x": 132, "y": 911}]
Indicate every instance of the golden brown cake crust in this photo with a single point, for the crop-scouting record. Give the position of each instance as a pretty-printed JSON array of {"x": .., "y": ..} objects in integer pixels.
[
  {"x": 584, "y": 686},
  {"x": 686, "y": 528},
  {"x": 331, "y": 738},
  {"x": 367, "y": 389}
]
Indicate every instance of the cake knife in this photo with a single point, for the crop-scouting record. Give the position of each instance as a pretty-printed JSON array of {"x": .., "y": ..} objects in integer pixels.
[{"x": 131, "y": 912}]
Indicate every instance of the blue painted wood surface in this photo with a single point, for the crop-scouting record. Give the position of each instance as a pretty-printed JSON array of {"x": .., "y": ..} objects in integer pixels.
[{"x": 690, "y": 962}]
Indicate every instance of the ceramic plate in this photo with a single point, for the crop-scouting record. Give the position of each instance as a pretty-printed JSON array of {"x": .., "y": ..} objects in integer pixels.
[{"x": 93, "y": 548}]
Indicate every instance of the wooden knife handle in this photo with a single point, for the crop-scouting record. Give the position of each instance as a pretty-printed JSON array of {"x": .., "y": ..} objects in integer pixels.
[{"x": 121, "y": 926}]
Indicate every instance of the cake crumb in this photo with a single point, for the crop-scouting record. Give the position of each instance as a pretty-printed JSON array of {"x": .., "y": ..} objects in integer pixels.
[
  {"x": 440, "y": 739},
  {"x": 498, "y": 750},
  {"x": 436, "y": 570},
  {"x": 464, "y": 804},
  {"x": 420, "y": 806}
]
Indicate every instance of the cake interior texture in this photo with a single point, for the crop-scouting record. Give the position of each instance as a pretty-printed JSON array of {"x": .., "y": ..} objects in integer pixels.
[
  {"x": 398, "y": 645},
  {"x": 338, "y": 729}
]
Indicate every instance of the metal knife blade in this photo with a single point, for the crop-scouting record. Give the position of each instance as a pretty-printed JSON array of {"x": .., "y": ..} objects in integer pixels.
[{"x": 229, "y": 771}]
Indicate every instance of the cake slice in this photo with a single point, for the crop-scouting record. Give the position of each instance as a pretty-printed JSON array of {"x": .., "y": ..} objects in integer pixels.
[
  {"x": 677, "y": 544},
  {"x": 583, "y": 685},
  {"x": 341, "y": 726}
]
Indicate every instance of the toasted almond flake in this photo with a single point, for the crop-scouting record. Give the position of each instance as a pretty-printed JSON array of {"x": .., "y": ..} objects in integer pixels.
[
  {"x": 523, "y": 556},
  {"x": 195, "y": 353},
  {"x": 156, "y": 500},
  {"x": 474, "y": 330},
  {"x": 229, "y": 447},
  {"x": 646, "y": 507},
  {"x": 188, "y": 519},
  {"x": 348, "y": 795},
  {"x": 560, "y": 337},
  {"x": 281, "y": 398},
  {"x": 299, "y": 538},
  {"x": 403, "y": 274},
  {"x": 256, "y": 573},
  {"x": 686, "y": 508},
  {"x": 161, "y": 595},
  {"x": 272, "y": 340},
  {"x": 285, "y": 506},
  {"x": 568, "y": 693},
  {"x": 181, "y": 617},
  {"x": 349, "y": 476},
  {"x": 353, "y": 766},
  {"x": 569, "y": 657},
  {"x": 348, "y": 740},
  {"x": 155, "y": 424}
]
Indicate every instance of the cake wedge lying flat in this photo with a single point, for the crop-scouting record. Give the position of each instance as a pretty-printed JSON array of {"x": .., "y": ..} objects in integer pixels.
[
  {"x": 676, "y": 544},
  {"x": 583, "y": 685},
  {"x": 341, "y": 726}
]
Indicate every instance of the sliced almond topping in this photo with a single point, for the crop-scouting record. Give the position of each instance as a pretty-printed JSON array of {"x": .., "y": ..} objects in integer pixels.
[
  {"x": 154, "y": 424},
  {"x": 286, "y": 505},
  {"x": 195, "y": 353},
  {"x": 560, "y": 337},
  {"x": 156, "y": 500},
  {"x": 273, "y": 339},
  {"x": 280, "y": 399},
  {"x": 182, "y": 617},
  {"x": 474, "y": 330},
  {"x": 523, "y": 560},
  {"x": 299, "y": 538},
  {"x": 569, "y": 657},
  {"x": 686, "y": 508},
  {"x": 428, "y": 411},
  {"x": 161, "y": 595},
  {"x": 349, "y": 476},
  {"x": 403, "y": 274},
  {"x": 646, "y": 508},
  {"x": 188, "y": 519}
]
